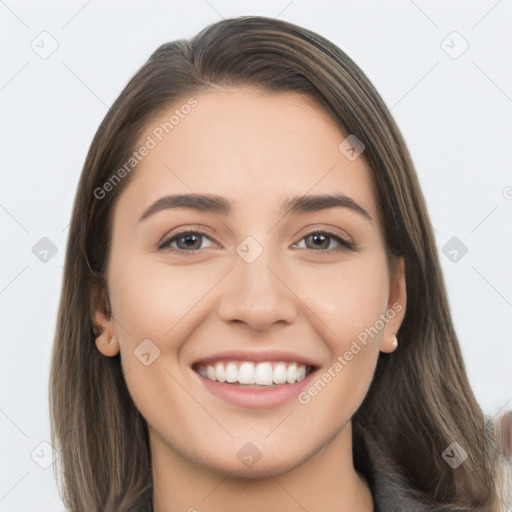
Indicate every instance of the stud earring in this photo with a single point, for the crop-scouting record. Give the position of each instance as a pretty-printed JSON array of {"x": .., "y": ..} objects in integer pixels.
[{"x": 395, "y": 342}]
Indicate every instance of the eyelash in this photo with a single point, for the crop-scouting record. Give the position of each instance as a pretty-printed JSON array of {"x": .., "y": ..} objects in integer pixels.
[{"x": 344, "y": 243}]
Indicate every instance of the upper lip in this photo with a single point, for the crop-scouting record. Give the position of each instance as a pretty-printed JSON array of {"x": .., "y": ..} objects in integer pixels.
[{"x": 262, "y": 355}]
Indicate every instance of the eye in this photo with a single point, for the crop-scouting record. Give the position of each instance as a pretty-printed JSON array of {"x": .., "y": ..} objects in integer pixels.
[
  {"x": 321, "y": 242},
  {"x": 188, "y": 240}
]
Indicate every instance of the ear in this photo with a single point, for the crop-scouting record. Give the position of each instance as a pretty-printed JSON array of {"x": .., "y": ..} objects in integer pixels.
[
  {"x": 102, "y": 321},
  {"x": 397, "y": 302}
]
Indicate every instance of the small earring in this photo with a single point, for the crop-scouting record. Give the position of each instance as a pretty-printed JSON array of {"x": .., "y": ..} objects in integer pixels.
[{"x": 395, "y": 342}]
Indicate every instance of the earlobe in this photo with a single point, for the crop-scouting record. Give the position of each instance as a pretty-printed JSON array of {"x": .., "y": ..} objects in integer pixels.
[
  {"x": 106, "y": 339},
  {"x": 107, "y": 345}
]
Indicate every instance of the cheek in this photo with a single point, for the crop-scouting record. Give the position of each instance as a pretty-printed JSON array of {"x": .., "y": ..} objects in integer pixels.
[
  {"x": 349, "y": 304},
  {"x": 157, "y": 307},
  {"x": 349, "y": 300},
  {"x": 152, "y": 299}
]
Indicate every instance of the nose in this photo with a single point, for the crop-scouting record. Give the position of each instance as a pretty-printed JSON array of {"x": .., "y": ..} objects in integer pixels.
[{"x": 257, "y": 295}]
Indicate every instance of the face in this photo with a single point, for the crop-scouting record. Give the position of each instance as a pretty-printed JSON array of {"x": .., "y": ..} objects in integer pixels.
[{"x": 290, "y": 304}]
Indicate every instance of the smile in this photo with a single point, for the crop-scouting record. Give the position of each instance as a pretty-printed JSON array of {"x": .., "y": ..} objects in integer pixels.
[
  {"x": 254, "y": 384},
  {"x": 250, "y": 374}
]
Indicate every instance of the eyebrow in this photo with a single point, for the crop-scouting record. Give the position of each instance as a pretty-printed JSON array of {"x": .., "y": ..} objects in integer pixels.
[{"x": 221, "y": 206}]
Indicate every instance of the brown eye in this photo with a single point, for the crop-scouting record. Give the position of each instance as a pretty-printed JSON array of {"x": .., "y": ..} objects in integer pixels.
[
  {"x": 320, "y": 241},
  {"x": 186, "y": 241}
]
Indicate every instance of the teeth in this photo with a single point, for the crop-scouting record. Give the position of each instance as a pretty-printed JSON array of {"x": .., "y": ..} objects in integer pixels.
[
  {"x": 246, "y": 373},
  {"x": 210, "y": 372},
  {"x": 219, "y": 373},
  {"x": 291, "y": 374},
  {"x": 231, "y": 373},
  {"x": 263, "y": 374},
  {"x": 279, "y": 373},
  {"x": 260, "y": 374}
]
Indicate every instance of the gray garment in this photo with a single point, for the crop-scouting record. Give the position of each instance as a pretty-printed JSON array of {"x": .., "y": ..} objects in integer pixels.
[
  {"x": 390, "y": 490},
  {"x": 390, "y": 494}
]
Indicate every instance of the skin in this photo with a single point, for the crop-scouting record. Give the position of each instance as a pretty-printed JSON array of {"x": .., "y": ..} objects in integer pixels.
[{"x": 255, "y": 149}]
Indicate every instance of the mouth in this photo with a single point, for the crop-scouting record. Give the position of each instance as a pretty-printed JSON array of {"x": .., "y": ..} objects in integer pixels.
[
  {"x": 249, "y": 374},
  {"x": 254, "y": 384}
]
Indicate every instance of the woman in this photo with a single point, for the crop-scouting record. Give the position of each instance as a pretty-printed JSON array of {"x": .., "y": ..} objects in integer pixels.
[{"x": 253, "y": 313}]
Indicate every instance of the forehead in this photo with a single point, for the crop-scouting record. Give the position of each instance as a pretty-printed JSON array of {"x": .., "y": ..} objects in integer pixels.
[{"x": 256, "y": 147}]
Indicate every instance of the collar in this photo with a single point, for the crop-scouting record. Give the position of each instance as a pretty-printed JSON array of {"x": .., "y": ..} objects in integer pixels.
[{"x": 389, "y": 487}]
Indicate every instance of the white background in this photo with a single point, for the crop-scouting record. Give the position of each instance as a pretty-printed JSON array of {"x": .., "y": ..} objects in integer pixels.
[{"x": 455, "y": 115}]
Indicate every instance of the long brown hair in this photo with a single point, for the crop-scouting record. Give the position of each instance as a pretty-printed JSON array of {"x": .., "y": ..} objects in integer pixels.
[{"x": 420, "y": 400}]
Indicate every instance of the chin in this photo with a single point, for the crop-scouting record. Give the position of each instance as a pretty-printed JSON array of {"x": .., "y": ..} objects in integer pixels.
[
  {"x": 250, "y": 462},
  {"x": 261, "y": 469}
]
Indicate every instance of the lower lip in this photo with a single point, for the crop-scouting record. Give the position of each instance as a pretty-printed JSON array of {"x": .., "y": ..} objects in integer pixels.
[{"x": 253, "y": 398}]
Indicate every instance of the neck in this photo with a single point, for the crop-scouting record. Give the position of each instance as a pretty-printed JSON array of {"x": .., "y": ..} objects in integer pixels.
[{"x": 325, "y": 481}]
